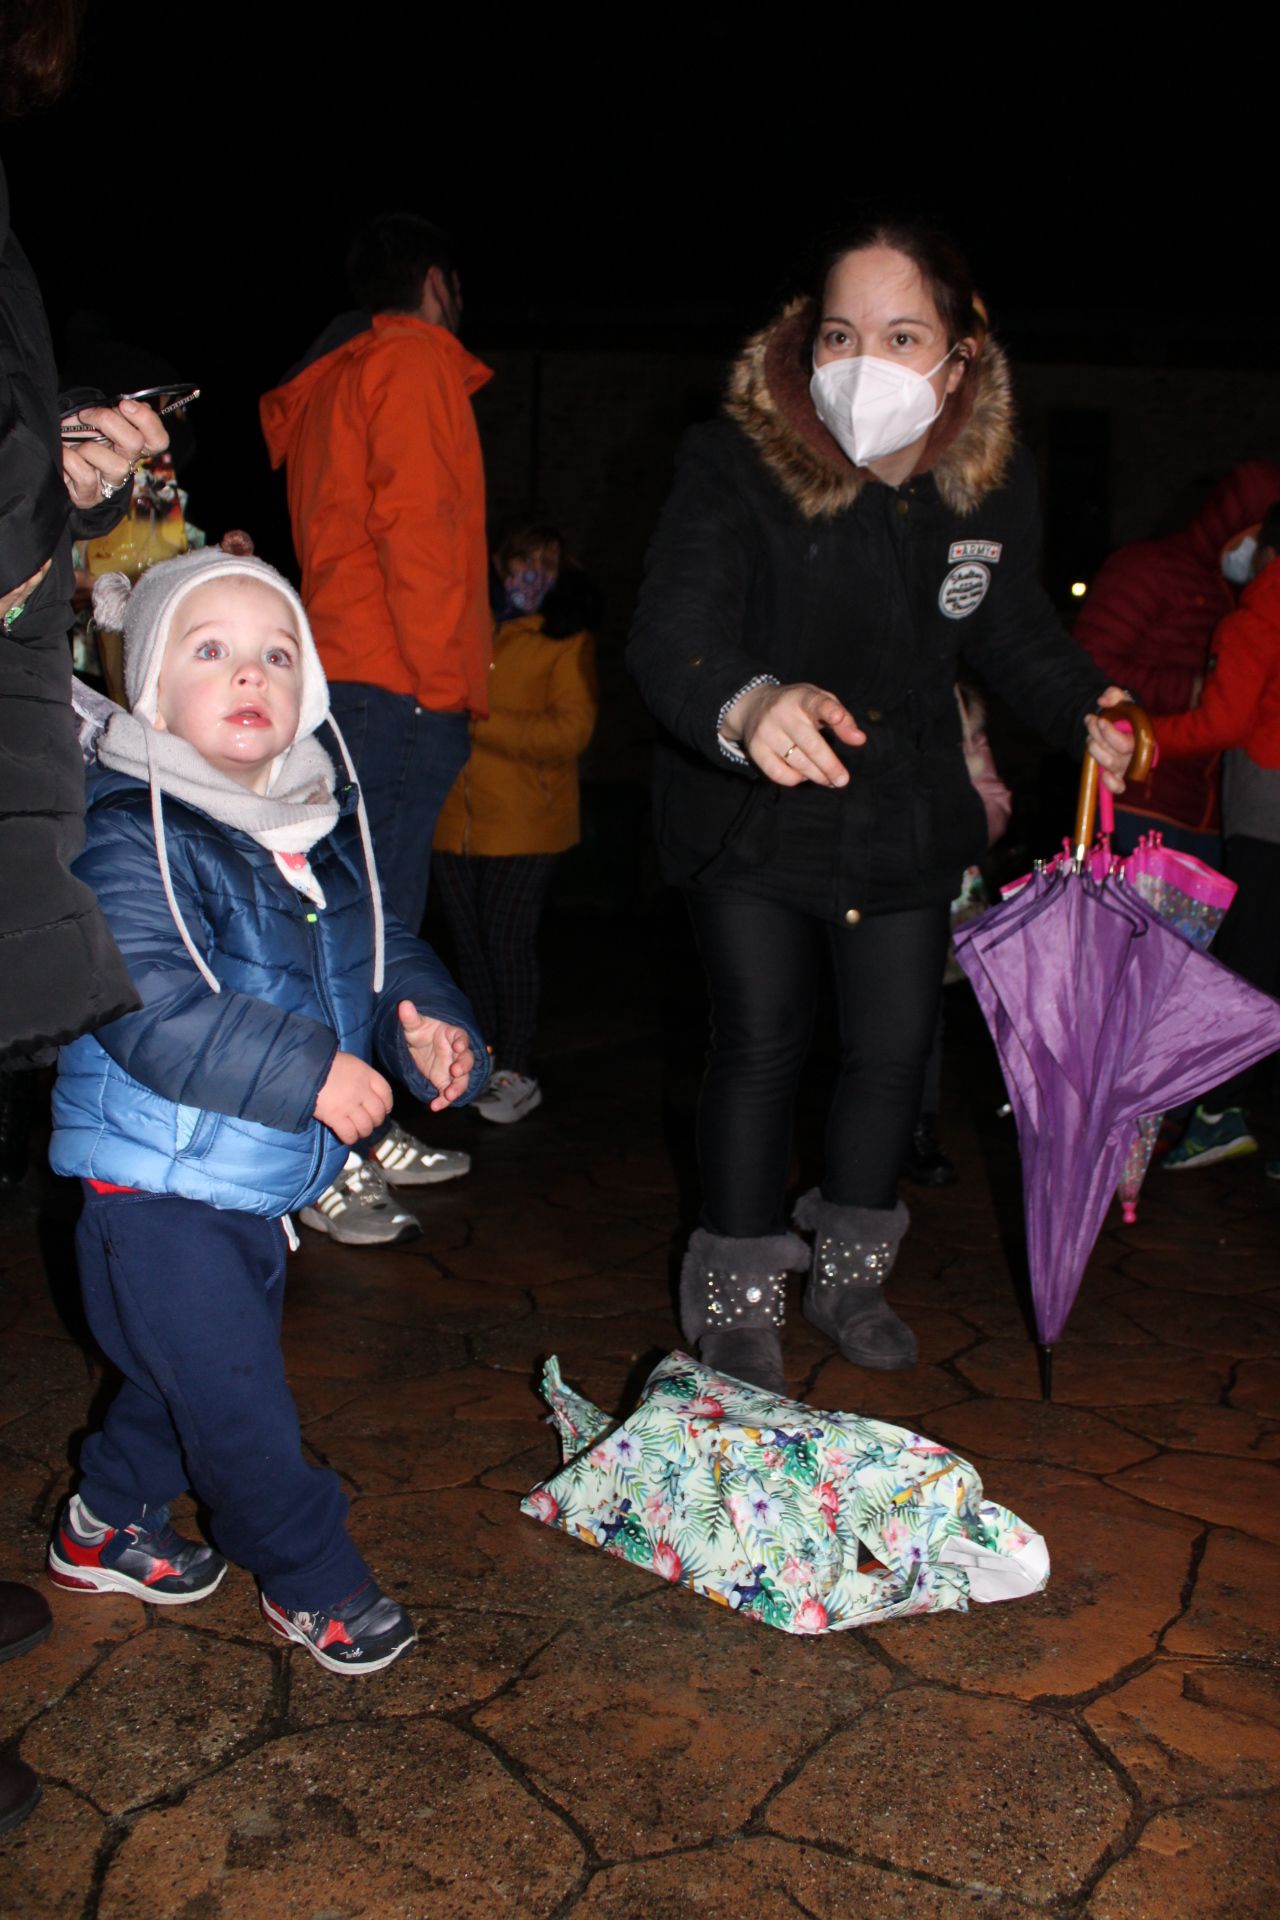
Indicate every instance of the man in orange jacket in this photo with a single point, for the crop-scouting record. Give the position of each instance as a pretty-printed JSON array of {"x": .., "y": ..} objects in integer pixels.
[{"x": 386, "y": 497}]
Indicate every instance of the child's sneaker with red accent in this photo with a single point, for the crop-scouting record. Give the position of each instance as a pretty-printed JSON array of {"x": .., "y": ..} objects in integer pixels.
[
  {"x": 362, "y": 1635},
  {"x": 146, "y": 1558}
]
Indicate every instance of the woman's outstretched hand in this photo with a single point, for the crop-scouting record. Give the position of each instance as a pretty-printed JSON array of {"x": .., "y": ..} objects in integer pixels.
[
  {"x": 780, "y": 731},
  {"x": 1111, "y": 749}
]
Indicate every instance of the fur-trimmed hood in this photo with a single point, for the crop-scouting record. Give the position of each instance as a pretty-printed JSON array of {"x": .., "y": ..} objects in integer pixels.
[{"x": 970, "y": 444}]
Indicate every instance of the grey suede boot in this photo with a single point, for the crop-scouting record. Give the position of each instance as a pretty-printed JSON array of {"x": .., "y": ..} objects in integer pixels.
[
  {"x": 733, "y": 1301},
  {"x": 854, "y": 1249}
]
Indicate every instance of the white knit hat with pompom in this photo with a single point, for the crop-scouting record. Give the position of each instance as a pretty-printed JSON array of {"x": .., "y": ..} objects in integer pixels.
[{"x": 144, "y": 614}]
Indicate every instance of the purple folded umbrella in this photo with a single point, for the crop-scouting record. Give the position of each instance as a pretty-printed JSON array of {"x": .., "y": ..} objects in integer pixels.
[{"x": 1100, "y": 1013}]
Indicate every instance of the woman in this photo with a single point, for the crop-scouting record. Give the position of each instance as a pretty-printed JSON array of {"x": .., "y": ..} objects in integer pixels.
[
  {"x": 61, "y": 971},
  {"x": 62, "y": 974},
  {"x": 860, "y": 520},
  {"x": 514, "y": 807}
]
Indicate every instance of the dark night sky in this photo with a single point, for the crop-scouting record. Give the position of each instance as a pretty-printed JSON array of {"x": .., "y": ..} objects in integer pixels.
[
  {"x": 200, "y": 182},
  {"x": 208, "y": 166}
]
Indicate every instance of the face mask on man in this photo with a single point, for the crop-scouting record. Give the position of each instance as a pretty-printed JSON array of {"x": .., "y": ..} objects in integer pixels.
[{"x": 874, "y": 407}]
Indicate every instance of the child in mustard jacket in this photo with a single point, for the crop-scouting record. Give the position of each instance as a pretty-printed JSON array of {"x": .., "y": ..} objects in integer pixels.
[{"x": 514, "y": 808}]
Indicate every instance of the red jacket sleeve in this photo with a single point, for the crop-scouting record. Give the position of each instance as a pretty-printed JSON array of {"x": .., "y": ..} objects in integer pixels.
[{"x": 1248, "y": 659}]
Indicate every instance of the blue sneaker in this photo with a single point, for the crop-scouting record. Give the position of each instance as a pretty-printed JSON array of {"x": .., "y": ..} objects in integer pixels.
[
  {"x": 146, "y": 1558},
  {"x": 1225, "y": 1137},
  {"x": 362, "y": 1635}
]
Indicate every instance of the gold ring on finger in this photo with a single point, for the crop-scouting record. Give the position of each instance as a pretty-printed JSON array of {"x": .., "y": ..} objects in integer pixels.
[{"x": 790, "y": 750}]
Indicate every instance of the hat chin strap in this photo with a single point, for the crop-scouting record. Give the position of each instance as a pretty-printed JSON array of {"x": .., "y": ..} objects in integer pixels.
[
  {"x": 370, "y": 864},
  {"x": 366, "y": 841},
  {"x": 162, "y": 854}
]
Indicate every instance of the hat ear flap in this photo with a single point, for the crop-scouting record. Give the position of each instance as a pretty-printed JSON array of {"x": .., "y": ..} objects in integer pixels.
[{"x": 110, "y": 598}]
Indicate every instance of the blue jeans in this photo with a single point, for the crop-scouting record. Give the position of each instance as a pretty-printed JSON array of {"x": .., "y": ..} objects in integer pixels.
[
  {"x": 407, "y": 758},
  {"x": 186, "y": 1300}
]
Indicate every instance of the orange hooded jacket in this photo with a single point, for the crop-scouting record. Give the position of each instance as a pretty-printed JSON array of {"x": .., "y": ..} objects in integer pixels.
[{"x": 386, "y": 499}]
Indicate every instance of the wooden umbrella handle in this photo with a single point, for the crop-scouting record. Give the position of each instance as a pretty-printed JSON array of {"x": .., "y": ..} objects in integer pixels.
[{"x": 1144, "y": 746}]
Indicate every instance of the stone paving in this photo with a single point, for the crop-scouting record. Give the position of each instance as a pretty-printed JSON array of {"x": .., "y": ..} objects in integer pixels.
[{"x": 573, "y": 1738}]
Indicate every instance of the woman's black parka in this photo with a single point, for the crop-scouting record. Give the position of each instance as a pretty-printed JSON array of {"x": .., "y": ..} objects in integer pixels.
[
  {"x": 60, "y": 973},
  {"x": 776, "y": 556}
]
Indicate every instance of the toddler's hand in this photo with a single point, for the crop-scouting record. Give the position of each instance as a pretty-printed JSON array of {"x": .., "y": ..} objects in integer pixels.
[
  {"x": 353, "y": 1100},
  {"x": 441, "y": 1053}
]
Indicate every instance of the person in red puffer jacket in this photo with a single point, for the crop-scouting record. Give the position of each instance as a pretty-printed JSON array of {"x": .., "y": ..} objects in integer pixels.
[
  {"x": 1239, "y": 717},
  {"x": 1149, "y": 622}
]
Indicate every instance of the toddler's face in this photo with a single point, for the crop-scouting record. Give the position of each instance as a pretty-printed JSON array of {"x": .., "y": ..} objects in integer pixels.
[{"x": 231, "y": 677}]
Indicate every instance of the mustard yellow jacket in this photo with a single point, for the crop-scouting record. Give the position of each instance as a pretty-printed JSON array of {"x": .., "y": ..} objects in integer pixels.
[{"x": 518, "y": 793}]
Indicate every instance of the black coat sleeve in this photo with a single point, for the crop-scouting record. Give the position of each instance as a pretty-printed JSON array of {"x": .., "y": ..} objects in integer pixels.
[
  {"x": 1021, "y": 648},
  {"x": 686, "y": 650}
]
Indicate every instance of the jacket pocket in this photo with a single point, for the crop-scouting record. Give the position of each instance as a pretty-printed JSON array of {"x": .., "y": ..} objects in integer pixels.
[{"x": 193, "y": 1130}]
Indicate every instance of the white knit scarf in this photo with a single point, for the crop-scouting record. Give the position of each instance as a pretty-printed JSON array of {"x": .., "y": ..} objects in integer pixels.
[{"x": 298, "y": 809}]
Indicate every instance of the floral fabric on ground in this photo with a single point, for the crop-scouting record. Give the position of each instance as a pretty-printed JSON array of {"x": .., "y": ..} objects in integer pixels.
[{"x": 804, "y": 1520}]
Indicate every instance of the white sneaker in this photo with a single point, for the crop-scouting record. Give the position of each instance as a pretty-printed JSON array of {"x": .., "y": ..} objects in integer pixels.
[
  {"x": 358, "y": 1209},
  {"x": 406, "y": 1162},
  {"x": 508, "y": 1097}
]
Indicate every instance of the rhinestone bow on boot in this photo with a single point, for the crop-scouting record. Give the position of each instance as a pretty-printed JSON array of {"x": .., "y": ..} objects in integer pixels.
[
  {"x": 854, "y": 1249},
  {"x": 733, "y": 1302}
]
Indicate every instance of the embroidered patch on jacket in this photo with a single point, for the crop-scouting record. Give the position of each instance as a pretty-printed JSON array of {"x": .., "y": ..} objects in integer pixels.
[
  {"x": 964, "y": 588},
  {"x": 975, "y": 550}
]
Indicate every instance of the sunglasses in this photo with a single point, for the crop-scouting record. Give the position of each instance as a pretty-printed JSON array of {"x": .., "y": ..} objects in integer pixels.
[{"x": 176, "y": 397}]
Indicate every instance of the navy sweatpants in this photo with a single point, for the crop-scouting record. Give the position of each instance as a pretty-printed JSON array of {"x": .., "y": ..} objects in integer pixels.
[{"x": 186, "y": 1300}]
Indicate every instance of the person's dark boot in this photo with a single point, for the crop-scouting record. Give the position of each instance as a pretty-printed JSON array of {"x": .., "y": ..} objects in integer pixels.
[
  {"x": 927, "y": 1164},
  {"x": 19, "y": 1791},
  {"x": 854, "y": 1249},
  {"x": 733, "y": 1303},
  {"x": 25, "y": 1619}
]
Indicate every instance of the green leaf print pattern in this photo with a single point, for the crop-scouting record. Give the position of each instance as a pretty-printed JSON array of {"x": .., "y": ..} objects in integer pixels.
[{"x": 804, "y": 1520}]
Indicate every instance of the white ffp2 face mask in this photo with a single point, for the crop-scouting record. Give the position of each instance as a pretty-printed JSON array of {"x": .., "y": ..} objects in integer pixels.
[{"x": 874, "y": 407}]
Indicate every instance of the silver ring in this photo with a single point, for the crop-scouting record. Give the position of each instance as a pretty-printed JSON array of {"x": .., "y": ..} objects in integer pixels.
[
  {"x": 106, "y": 489},
  {"x": 790, "y": 750}
]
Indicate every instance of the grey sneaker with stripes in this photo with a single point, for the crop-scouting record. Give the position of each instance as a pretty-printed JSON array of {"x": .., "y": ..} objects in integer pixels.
[
  {"x": 358, "y": 1209},
  {"x": 407, "y": 1162}
]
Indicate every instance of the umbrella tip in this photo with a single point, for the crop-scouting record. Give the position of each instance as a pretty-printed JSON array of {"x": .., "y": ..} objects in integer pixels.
[{"x": 1046, "y": 1373}]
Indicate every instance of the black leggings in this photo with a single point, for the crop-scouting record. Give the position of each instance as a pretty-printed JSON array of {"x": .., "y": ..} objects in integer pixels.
[{"x": 761, "y": 960}]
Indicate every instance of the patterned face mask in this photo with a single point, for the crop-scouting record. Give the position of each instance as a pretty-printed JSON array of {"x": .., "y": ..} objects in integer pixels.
[{"x": 527, "y": 587}]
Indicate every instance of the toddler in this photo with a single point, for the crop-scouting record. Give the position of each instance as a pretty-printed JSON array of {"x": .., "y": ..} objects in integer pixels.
[{"x": 236, "y": 872}]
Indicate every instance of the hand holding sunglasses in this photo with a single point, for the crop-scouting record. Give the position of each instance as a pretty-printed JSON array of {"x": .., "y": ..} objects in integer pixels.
[
  {"x": 98, "y": 463},
  {"x": 174, "y": 398}
]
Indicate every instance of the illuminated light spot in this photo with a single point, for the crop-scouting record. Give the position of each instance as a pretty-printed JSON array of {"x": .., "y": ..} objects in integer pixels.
[{"x": 1078, "y": 589}]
